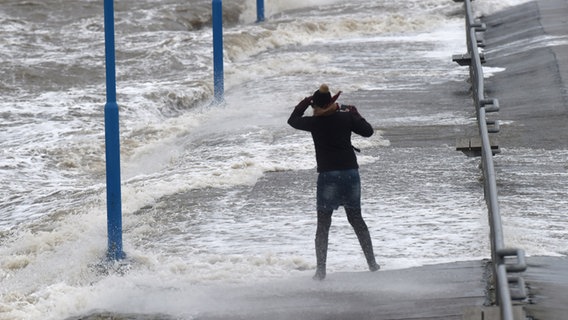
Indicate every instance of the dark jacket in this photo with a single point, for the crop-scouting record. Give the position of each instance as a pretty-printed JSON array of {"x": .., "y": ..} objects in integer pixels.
[{"x": 332, "y": 136}]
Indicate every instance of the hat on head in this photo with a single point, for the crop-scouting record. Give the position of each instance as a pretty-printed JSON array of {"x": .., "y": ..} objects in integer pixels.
[{"x": 322, "y": 96}]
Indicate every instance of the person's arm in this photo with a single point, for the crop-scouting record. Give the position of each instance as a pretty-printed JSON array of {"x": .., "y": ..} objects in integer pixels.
[
  {"x": 360, "y": 125},
  {"x": 296, "y": 119}
]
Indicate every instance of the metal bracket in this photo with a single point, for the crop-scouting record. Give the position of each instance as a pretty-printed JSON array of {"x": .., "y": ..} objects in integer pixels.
[
  {"x": 494, "y": 126},
  {"x": 492, "y": 103},
  {"x": 479, "y": 27},
  {"x": 520, "y": 265},
  {"x": 518, "y": 291}
]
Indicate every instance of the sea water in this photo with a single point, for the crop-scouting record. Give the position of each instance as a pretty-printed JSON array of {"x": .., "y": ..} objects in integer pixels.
[{"x": 221, "y": 194}]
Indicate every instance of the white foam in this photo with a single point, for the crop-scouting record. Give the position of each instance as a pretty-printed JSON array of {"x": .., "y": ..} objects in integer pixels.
[
  {"x": 488, "y": 72},
  {"x": 316, "y": 26}
]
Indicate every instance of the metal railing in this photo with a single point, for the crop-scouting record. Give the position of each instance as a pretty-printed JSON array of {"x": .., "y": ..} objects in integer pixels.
[{"x": 502, "y": 258}]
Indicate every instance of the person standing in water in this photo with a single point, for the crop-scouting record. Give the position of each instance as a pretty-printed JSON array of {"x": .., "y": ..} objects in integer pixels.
[{"x": 338, "y": 181}]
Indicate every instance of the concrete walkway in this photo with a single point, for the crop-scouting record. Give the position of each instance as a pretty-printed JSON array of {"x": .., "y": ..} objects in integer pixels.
[
  {"x": 443, "y": 291},
  {"x": 432, "y": 292},
  {"x": 531, "y": 43},
  {"x": 547, "y": 281},
  {"x": 454, "y": 291}
]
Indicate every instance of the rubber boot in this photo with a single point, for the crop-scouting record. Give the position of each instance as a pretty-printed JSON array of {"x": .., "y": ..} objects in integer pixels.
[
  {"x": 362, "y": 232},
  {"x": 322, "y": 235}
]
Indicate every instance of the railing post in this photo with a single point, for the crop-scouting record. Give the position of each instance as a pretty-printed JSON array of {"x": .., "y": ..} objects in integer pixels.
[
  {"x": 218, "y": 81},
  {"x": 259, "y": 10},
  {"x": 112, "y": 143}
]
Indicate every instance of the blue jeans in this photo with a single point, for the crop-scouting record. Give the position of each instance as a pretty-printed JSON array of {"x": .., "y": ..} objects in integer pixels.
[{"x": 339, "y": 188}]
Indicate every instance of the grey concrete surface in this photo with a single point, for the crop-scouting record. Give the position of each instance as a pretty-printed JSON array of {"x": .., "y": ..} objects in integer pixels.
[
  {"x": 455, "y": 290},
  {"x": 531, "y": 43},
  {"x": 443, "y": 291},
  {"x": 547, "y": 282}
]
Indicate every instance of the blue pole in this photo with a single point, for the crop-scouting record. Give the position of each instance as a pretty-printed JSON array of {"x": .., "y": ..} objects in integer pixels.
[
  {"x": 112, "y": 143},
  {"x": 259, "y": 10},
  {"x": 218, "y": 76}
]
